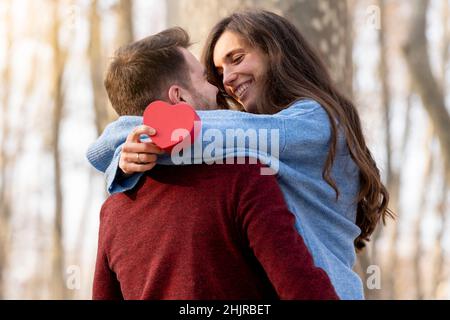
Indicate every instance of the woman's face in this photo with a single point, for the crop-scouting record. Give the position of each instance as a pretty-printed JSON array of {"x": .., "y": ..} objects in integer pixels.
[{"x": 243, "y": 69}]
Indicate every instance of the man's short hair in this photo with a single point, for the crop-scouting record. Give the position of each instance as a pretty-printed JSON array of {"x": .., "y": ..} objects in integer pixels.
[{"x": 142, "y": 71}]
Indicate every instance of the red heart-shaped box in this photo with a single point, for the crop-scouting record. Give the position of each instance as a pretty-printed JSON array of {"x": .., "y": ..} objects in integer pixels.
[{"x": 166, "y": 118}]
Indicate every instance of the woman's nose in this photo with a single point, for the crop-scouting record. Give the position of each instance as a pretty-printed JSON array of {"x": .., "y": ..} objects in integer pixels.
[{"x": 229, "y": 78}]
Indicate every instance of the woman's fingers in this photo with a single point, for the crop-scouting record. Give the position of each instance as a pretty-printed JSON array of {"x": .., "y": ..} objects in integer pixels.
[
  {"x": 129, "y": 168},
  {"x": 143, "y": 158},
  {"x": 131, "y": 162},
  {"x": 141, "y": 147},
  {"x": 135, "y": 135},
  {"x": 137, "y": 156}
]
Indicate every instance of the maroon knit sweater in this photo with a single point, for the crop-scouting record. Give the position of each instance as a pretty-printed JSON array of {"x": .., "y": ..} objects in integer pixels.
[{"x": 204, "y": 232}]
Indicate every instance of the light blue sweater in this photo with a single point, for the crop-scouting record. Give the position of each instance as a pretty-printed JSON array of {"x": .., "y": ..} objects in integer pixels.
[{"x": 303, "y": 131}]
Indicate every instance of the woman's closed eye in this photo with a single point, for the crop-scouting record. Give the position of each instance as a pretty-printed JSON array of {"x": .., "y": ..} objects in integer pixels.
[{"x": 237, "y": 59}]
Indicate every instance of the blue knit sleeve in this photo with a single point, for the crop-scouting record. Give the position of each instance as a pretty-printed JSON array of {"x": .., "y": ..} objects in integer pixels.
[
  {"x": 225, "y": 135},
  {"x": 103, "y": 150}
]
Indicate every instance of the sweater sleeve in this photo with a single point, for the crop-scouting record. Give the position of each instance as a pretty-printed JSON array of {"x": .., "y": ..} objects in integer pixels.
[
  {"x": 105, "y": 285},
  {"x": 101, "y": 153},
  {"x": 268, "y": 226},
  {"x": 224, "y": 134}
]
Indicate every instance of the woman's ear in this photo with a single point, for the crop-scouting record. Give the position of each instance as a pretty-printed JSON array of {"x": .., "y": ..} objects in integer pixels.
[{"x": 176, "y": 94}]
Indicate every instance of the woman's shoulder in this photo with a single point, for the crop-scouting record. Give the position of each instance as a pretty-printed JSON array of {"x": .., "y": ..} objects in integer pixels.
[
  {"x": 306, "y": 120},
  {"x": 302, "y": 107},
  {"x": 306, "y": 112}
]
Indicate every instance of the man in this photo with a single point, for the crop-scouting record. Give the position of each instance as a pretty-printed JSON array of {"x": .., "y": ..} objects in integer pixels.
[{"x": 194, "y": 232}]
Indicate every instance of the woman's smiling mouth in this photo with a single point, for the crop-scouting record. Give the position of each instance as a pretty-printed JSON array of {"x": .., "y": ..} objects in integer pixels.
[{"x": 242, "y": 89}]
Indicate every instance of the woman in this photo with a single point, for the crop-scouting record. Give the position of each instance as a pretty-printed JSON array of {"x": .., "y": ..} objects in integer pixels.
[{"x": 330, "y": 181}]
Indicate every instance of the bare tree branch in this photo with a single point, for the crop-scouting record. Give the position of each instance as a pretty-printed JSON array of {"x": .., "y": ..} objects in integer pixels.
[
  {"x": 417, "y": 235},
  {"x": 102, "y": 116},
  {"x": 59, "y": 289},
  {"x": 416, "y": 53},
  {"x": 327, "y": 24},
  {"x": 439, "y": 256},
  {"x": 5, "y": 196},
  {"x": 125, "y": 22}
]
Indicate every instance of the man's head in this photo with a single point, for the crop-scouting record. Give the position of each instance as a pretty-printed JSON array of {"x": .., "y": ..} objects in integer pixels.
[{"x": 158, "y": 67}]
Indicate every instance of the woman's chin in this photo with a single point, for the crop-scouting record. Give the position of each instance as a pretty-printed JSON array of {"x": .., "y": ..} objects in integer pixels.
[
  {"x": 250, "y": 107},
  {"x": 251, "y": 111}
]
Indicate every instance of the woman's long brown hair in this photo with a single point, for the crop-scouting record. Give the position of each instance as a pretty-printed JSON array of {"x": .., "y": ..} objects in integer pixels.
[{"x": 296, "y": 72}]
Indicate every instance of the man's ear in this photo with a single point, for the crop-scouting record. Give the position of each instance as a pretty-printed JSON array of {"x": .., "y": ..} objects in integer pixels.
[{"x": 175, "y": 94}]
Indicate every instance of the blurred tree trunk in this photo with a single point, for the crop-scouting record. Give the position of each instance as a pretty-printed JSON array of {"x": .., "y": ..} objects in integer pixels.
[
  {"x": 418, "y": 223},
  {"x": 59, "y": 58},
  {"x": 5, "y": 177},
  {"x": 10, "y": 152},
  {"x": 416, "y": 53},
  {"x": 392, "y": 175},
  {"x": 327, "y": 24},
  {"x": 390, "y": 270},
  {"x": 439, "y": 271},
  {"x": 385, "y": 91},
  {"x": 439, "y": 256},
  {"x": 445, "y": 43},
  {"x": 124, "y": 10},
  {"x": 39, "y": 278},
  {"x": 392, "y": 178},
  {"x": 103, "y": 113}
]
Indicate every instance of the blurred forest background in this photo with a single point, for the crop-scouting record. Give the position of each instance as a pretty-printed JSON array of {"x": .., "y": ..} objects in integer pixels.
[{"x": 392, "y": 56}]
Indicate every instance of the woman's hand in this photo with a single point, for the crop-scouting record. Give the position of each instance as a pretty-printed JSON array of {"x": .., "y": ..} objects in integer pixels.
[{"x": 139, "y": 156}]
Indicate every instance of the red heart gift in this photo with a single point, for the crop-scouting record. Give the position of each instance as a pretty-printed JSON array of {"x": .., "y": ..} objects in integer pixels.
[{"x": 168, "y": 119}]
